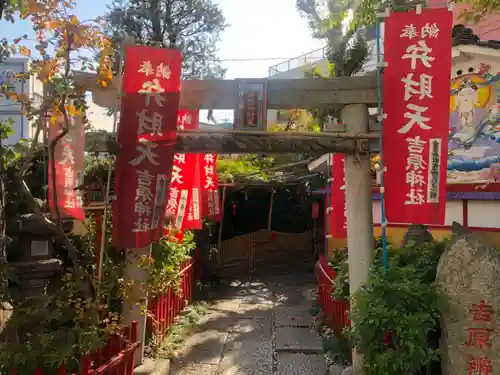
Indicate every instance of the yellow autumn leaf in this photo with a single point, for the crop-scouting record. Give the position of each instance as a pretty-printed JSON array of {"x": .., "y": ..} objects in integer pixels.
[
  {"x": 12, "y": 96},
  {"x": 52, "y": 25},
  {"x": 72, "y": 110},
  {"x": 24, "y": 51},
  {"x": 33, "y": 8}
]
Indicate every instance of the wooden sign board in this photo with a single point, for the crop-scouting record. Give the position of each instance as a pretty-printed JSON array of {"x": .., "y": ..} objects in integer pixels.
[{"x": 251, "y": 110}]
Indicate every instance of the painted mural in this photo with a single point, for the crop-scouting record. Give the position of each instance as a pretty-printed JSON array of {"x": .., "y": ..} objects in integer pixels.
[{"x": 474, "y": 143}]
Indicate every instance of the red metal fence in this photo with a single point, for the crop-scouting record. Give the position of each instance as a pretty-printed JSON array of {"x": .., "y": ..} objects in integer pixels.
[
  {"x": 116, "y": 358},
  {"x": 335, "y": 312},
  {"x": 164, "y": 308}
]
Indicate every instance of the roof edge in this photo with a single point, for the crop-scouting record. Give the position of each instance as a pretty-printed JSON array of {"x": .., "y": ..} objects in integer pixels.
[{"x": 463, "y": 35}]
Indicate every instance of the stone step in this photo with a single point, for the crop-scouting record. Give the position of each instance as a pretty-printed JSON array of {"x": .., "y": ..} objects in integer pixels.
[
  {"x": 298, "y": 364},
  {"x": 298, "y": 340}
]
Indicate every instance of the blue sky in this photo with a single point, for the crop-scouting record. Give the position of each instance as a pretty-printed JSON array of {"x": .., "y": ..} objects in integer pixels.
[{"x": 259, "y": 29}]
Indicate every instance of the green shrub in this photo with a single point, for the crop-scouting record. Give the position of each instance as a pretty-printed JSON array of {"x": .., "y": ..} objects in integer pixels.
[{"x": 396, "y": 310}]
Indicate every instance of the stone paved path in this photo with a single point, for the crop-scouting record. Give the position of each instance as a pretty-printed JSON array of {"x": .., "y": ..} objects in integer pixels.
[{"x": 261, "y": 326}]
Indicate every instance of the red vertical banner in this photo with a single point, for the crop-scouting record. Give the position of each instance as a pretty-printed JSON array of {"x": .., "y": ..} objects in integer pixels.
[
  {"x": 194, "y": 218},
  {"x": 183, "y": 175},
  {"x": 338, "y": 216},
  {"x": 210, "y": 186},
  {"x": 146, "y": 135},
  {"x": 315, "y": 210},
  {"x": 69, "y": 163},
  {"x": 416, "y": 97}
]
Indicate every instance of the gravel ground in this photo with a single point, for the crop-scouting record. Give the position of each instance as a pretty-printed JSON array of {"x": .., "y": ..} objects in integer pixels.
[{"x": 249, "y": 317}]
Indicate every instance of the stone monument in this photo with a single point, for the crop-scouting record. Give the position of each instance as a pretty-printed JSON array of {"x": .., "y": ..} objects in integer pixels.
[
  {"x": 469, "y": 276},
  {"x": 416, "y": 233}
]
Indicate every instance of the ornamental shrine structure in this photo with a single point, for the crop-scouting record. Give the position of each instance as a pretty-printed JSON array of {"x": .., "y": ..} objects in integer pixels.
[{"x": 352, "y": 137}]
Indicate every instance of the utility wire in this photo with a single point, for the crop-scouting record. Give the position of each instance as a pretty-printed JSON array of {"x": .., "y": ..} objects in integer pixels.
[{"x": 255, "y": 59}]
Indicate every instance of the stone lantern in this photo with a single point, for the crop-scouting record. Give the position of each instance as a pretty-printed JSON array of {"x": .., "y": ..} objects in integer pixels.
[
  {"x": 417, "y": 233},
  {"x": 35, "y": 268}
]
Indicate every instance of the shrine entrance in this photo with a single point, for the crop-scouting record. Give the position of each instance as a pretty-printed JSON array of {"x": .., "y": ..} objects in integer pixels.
[
  {"x": 264, "y": 224},
  {"x": 239, "y": 252},
  {"x": 351, "y": 136}
]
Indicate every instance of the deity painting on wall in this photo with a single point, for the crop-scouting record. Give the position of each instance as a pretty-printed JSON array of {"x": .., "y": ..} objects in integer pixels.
[{"x": 474, "y": 141}]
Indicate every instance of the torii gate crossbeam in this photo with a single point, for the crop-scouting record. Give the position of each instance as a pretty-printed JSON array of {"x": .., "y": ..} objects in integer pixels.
[
  {"x": 280, "y": 94},
  {"x": 249, "y": 142}
]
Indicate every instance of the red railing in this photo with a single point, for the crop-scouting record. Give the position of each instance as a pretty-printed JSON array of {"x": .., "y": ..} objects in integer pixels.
[
  {"x": 335, "y": 312},
  {"x": 163, "y": 309},
  {"x": 116, "y": 358}
]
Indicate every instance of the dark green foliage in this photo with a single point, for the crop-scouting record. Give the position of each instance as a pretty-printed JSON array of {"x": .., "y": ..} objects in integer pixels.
[
  {"x": 366, "y": 12},
  {"x": 346, "y": 53},
  {"x": 193, "y": 26},
  {"x": 340, "y": 264},
  {"x": 397, "y": 309},
  {"x": 337, "y": 347}
]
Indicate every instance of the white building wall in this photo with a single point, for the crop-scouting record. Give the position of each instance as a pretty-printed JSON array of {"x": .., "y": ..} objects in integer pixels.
[
  {"x": 454, "y": 212},
  {"x": 9, "y": 110},
  {"x": 480, "y": 214},
  {"x": 23, "y": 129},
  {"x": 293, "y": 69},
  {"x": 10, "y": 70},
  {"x": 484, "y": 214}
]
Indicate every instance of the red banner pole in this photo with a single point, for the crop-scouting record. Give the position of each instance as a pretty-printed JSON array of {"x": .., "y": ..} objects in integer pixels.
[{"x": 104, "y": 222}]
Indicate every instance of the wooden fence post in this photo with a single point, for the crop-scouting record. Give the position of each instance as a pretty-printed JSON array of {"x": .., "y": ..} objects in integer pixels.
[{"x": 271, "y": 203}]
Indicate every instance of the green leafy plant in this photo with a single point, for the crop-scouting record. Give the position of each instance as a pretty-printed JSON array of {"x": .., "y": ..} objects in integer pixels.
[
  {"x": 65, "y": 324},
  {"x": 396, "y": 310},
  {"x": 184, "y": 325},
  {"x": 229, "y": 168},
  {"x": 335, "y": 344},
  {"x": 340, "y": 264},
  {"x": 163, "y": 265}
]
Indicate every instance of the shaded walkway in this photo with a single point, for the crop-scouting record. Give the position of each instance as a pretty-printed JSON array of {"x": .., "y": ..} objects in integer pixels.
[{"x": 261, "y": 326}]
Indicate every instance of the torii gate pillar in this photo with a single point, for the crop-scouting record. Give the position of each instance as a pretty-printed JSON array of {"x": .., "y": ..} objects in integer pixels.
[{"x": 360, "y": 242}]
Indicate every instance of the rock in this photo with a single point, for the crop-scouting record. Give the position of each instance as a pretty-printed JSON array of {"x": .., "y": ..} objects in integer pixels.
[
  {"x": 336, "y": 370},
  {"x": 348, "y": 371},
  {"x": 459, "y": 230},
  {"x": 468, "y": 274}
]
